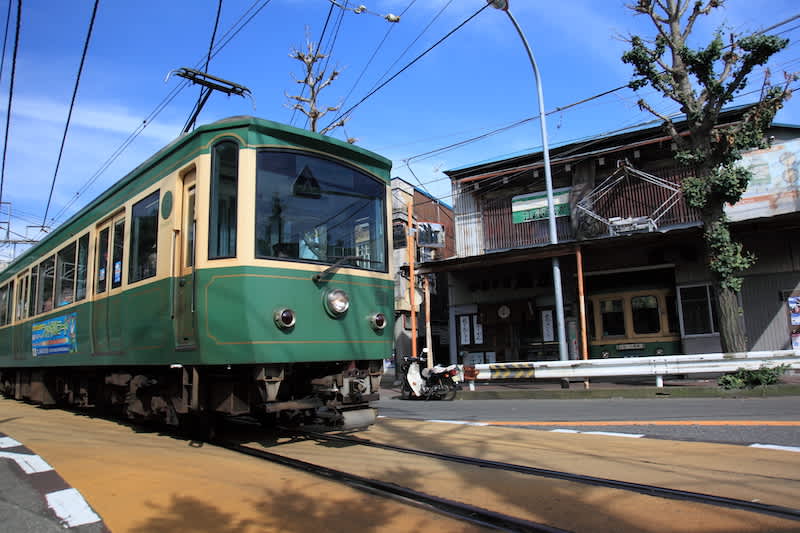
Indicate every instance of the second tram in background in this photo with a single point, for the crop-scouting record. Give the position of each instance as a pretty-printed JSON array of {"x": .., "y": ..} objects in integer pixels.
[{"x": 243, "y": 269}]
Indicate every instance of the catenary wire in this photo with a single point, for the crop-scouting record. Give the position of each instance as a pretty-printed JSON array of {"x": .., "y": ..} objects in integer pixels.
[
  {"x": 203, "y": 90},
  {"x": 374, "y": 53},
  {"x": 5, "y": 40},
  {"x": 10, "y": 97},
  {"x": 225, "y": 39},
  {"x": 321, "y": 37},
  {"x": 71, "y": 107},
  {"x": 420, "y": 56},
  {"x": 328, "y": 50}
]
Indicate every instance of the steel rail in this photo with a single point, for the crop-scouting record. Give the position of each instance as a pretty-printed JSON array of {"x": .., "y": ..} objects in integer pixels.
[
  {"x": 650, "y": 490},
  {"x": 461, "y": 511}
]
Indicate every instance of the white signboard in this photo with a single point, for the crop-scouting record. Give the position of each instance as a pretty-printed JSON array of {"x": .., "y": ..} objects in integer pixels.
[
  {"x": 464, "y": 329},
  {"x": 530, "y": 207},
  {"x": 477, "y": 328},
  {"x": 547, "y": 326}
]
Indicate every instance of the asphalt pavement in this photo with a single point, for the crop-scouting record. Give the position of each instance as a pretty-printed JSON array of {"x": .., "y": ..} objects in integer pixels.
[{"x": 34, "y": 498}]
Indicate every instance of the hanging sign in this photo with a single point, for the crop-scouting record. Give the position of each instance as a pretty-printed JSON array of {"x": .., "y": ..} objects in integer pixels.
[{"x": 533, "y": 206}]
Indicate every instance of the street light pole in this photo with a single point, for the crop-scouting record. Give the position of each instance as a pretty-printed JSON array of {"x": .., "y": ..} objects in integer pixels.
[{"x": 548, "y": 180}]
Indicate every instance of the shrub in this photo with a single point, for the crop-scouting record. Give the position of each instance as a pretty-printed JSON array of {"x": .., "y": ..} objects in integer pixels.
[{"x": 752, "y": 378}]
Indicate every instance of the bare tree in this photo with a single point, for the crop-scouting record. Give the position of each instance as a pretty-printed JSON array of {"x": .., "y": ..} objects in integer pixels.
[
  {"x": 702, "y": 81},
  {"x": 315, "y": 79}
]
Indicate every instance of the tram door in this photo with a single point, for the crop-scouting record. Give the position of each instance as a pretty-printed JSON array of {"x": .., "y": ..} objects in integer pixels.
[
  {"x": 107, "y": 308},
  {"x": 184, "y": 273}
]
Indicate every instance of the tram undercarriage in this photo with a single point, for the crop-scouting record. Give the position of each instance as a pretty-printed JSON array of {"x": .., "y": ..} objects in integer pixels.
[{"x": 326, "y": 395}]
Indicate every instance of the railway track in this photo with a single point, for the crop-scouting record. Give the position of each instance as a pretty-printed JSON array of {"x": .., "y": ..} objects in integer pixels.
[
  {"x": 469, "y": 512},
  {"x": 650, "y": 490}
]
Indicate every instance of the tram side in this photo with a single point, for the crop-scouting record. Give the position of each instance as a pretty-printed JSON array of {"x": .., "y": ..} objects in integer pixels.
[{"x": 242, "y": 269}]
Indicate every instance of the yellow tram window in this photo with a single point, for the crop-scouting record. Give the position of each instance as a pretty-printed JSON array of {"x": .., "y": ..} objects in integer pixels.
[
  {"x": 612, "y": 318},
  {"x": 646, "y": 315},
  {"x": 47, "y": 270},
  {"x": 102, "y": 261},
  {"x": 9, "y": 304},
  {"x": 119, "y": 235},
  {"x": 34, "y": 286},
  {"x": 4, "y": 298},
  {"x": 224, "y": 184},
  {"x": 65, "y": 275},
  {"x": 82, "y": 268},
  {"x": 144, "y": 239},
  {"x": 22, "y": 297}
]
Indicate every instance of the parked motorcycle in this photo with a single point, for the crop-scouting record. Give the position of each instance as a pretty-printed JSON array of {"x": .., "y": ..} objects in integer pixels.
[{"x": 435, "y": 383}]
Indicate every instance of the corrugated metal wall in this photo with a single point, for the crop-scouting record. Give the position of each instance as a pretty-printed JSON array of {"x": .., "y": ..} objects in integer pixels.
[
  {"x": 766, "y": 315},
  {"x": 501, "y": 233},
  {"x": 469, "y": 225}
]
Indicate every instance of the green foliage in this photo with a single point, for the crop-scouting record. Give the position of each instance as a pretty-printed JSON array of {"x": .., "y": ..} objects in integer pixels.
[
  {"x": 750, "y": 379},
  {"x": 727, "y": 258}
]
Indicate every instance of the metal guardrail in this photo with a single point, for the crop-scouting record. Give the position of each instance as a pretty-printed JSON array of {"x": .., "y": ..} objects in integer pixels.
[{"x": 658, "y": 366}]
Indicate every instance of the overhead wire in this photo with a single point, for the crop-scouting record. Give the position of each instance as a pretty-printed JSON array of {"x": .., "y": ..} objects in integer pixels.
[
  {"x": 5, "y": 40},
  {"x": 205, "y": 90},
  {"x": 374, "y": 53},
  {"x": 10, "y": 97},
  {"x": 420, "y": 56},
  {"x": 328, "y": 50},
  {"x": 71, "y": 107},
  {"x": 321, "y": 37},
  {"x": 224, "y": 40}
]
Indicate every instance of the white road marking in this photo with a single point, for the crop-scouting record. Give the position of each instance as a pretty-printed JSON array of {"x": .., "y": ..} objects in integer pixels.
[
  {"x": 70, "y": 507},
  {"x": 776, "y": 447},
  {"x": 30, "y": 464},
  {"x": 8, "y": 442},
  {"x": 459, "y": 422},
  {"x": 564, "y": 431},
  {"x": 613, "y": 434}
]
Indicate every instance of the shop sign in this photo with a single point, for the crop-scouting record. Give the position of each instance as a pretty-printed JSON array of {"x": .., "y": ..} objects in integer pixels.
[{"x": 530, "y": 207}]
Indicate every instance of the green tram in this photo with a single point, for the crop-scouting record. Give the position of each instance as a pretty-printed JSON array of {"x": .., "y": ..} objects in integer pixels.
[{"x": 242, "y": 270}]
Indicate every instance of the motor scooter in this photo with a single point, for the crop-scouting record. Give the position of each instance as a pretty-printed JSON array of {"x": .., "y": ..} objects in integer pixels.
[{"x": 435, "y": 383}]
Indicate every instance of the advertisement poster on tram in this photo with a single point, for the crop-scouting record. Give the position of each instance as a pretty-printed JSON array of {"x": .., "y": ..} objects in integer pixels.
[{"x": 54, "y": 336}]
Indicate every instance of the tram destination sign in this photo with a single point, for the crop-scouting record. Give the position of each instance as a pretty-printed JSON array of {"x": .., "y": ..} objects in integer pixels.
[{"x": 533, "y": 206}]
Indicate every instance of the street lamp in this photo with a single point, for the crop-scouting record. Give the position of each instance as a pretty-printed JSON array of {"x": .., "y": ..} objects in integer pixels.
[{"x": 548, "y": 180}]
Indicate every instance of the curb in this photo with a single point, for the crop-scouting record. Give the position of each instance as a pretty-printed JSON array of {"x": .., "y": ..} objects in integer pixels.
[{"x": 65, "y": 502}]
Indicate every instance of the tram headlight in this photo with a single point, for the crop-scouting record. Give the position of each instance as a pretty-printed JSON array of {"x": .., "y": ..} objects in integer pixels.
[
  {"x": 337, "y": 302},
  {"x": 378, "y": 321},
  {"x": 659, "y": 351},
  {"x": 284, "y": 318}
]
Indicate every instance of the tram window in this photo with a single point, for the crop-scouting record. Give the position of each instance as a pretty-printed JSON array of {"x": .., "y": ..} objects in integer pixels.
[
  {"x": 314, "y": 209},
  {"x": 224, "y": 184},
  {"x": 102, "y": 261},
  {"x": 34, "y": 285},
  {"x": 47, "y": 270},
  {"x": 646, "y": 316},
  {"x": 144, "y": 239},
  {"x": 9, "y": 306},
  {"x": 116, "y": 257},
  {"x": 612, "y": 318},
  {"x": 82, "y": 268},
  {"x": 65, "y": 275},
  {"x": 4, "y": 298},
  {"x": 22, "y": 297}
]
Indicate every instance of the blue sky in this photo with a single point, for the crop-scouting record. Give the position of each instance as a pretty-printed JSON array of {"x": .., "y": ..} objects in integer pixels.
[{"x": 476, "y": 81}]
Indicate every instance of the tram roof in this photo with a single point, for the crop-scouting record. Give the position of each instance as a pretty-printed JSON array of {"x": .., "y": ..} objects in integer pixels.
[{"x": 182, "y": 148}]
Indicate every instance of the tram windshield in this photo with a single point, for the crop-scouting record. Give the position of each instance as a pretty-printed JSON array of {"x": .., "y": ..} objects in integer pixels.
[{"x": 314, "y": 209}]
